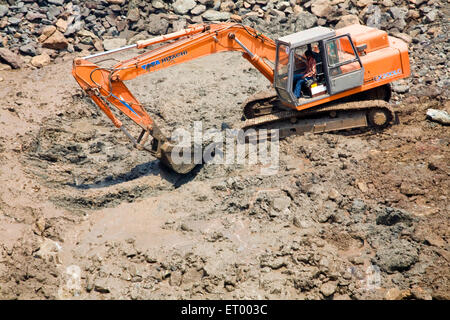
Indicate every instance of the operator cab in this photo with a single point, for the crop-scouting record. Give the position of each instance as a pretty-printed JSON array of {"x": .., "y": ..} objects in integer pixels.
[{"x": 337, "y": 65}]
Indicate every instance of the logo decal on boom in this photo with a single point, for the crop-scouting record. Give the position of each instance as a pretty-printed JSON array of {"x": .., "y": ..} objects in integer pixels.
[{"x": 166, "y": 59}]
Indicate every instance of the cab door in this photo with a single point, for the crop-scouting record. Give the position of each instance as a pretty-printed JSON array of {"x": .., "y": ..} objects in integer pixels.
[
  {"x": 283, "y": 74},
  {"x": 344, "y": 68}
]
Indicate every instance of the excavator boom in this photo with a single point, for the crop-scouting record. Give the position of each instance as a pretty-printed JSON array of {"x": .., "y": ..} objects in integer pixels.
[{"x": 106, "y": 85}]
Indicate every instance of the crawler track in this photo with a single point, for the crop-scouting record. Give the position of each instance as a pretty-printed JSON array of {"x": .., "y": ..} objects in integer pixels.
[{"x": 264, "y": 108}]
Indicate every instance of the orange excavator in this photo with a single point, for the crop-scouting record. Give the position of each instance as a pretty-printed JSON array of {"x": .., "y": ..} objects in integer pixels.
[{"x": 349, "y": 87}]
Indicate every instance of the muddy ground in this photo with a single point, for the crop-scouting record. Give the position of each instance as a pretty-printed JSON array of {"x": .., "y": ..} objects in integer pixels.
[{"x": 353, "y": 215}]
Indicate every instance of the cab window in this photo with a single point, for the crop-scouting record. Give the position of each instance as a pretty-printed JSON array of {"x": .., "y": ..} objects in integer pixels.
[
  {"x": 282, "y": 66},
  {"x": 341, "y": 56}
]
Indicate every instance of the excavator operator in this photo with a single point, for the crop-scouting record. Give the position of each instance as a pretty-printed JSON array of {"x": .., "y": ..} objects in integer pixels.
[{"x": 309, "y": 74}]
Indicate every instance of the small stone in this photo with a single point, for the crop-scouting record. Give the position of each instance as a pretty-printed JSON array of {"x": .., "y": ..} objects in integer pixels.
[
  {"x": 86, "y": 33},
  {"x": 14, "y": 21},
  {"x": 28, "y": 49},
  {"x": 328, "y": 288},
  {"x": 98, "y": 45},
  {"x": 410, "y": 189},
  {"x": 213, "y": 15},
  {"x": 400, "y": 88},
  {"x": 101, "y": 286},
  {"x": 281, "y": 203},
  {"x": 403, "y": 36},
  {"x": 62, "y": 25},
  {"x": 5, "y": 67},
  {"x": 198, "y": 10},
  {"x": 374, "y": 19},
  {"x": 399, "y": 256},
  {"x": 333, "y": 194},
  {"x": 9, "y": 57},
  {"x": 347, "y": 20},
  {"x": 420, "y": 294},
  {"x": 283, "y": 5},
  {"x": 3, "y": 10},
  {"x": 431, "y": 16},
  {"x": 32, "y": 16},
  {"x": 56, "y": 41},
  {"x": 192, "y": 275},
  {"x": 363, "y": 3},
  {"x": 274, "y": 263},
  {"x": 321, "y": 8},
  {"x": 185, "y": 227},
  {"x": 390, "y": 216},
  {"x": 116, "y": 1},
  {"x": 358, "y": 206},
  {"x": 397, "y": 294},
  {"x": 46, "y": 33},
  {"x": 133, "y": 15},
  {"x": 362, "y": 186},
  {"x": 40, "y": 60},
  {"x": 175, "y": 278},
  {"x": 236, "y": 18},
  {"x": 74, "y": 28},
  {"x": 57, "y": 2},
  {"x": 158, "y": 4},
  {"x": 157, "y": 25},
  {"x": 439, "y": 116},
  {"x": 40, "y": 224},
  {"x": 304, "y": 20},
  {"x": 183, "y": 6}
]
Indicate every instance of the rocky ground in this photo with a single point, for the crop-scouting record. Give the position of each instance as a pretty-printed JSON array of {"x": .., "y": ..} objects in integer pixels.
[{"x": 354, "y": 215}]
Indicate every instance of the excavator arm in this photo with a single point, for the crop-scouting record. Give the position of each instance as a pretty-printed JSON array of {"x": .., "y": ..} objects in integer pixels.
[{"x": 106, "y": 86}]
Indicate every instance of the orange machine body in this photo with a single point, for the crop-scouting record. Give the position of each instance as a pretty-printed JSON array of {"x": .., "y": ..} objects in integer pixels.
[{"x": 385, "y": 59}]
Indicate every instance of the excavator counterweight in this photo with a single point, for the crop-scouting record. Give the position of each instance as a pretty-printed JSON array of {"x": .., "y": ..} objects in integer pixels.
[{"x": 350, "y": 64}]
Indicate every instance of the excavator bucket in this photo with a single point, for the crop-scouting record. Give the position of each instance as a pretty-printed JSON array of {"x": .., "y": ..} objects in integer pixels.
[
  {"x": 166, "y": 158},
  {"x": 163, "y": 150}
]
